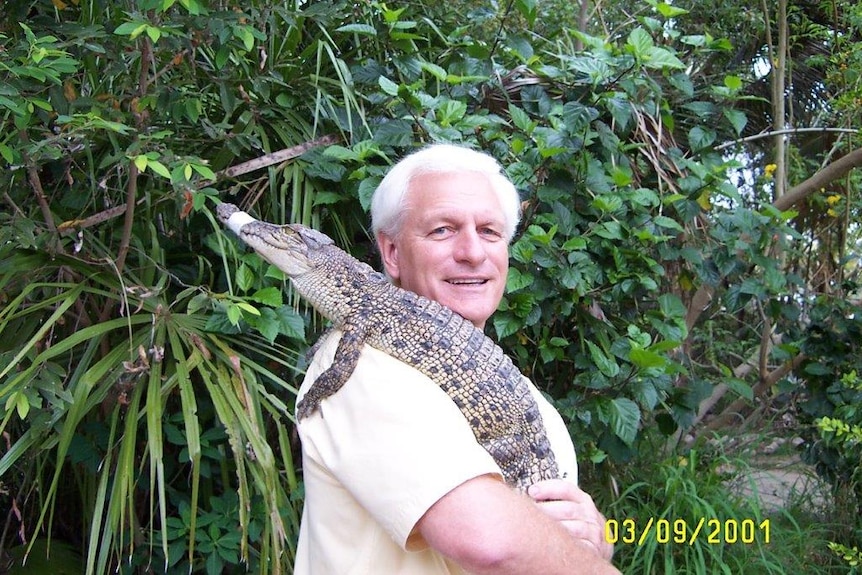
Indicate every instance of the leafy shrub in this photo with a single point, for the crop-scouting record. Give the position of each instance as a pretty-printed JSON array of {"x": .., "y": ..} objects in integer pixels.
[
  {"x": 831, "y": 406},
  {"x": 125, "y": 395}
]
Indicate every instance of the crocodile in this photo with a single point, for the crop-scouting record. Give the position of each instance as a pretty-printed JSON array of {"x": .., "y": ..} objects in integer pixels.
[{"x": 367, "y": 308}]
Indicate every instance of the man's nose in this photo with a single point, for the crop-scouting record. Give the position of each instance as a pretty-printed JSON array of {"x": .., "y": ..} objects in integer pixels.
[{"x": 469, "y": 247}]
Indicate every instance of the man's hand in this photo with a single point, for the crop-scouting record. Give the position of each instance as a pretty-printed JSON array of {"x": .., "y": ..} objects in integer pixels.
[{"x": 564, "y": 502}]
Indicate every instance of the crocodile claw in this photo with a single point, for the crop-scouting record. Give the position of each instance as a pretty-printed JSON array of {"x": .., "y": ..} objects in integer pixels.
[{"x": 305, "y": 408}]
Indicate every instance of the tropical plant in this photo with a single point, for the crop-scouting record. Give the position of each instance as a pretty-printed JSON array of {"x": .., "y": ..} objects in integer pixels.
[{"x": 132, "y": 390}]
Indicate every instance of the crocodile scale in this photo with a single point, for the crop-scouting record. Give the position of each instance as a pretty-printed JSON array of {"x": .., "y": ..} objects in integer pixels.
[{"x": 474, "y": 372}]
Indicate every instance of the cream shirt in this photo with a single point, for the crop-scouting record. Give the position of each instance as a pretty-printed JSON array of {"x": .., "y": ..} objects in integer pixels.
[{"x": 376, "y": 456}]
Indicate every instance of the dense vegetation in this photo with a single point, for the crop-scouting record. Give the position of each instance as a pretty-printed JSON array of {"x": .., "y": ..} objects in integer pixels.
[{"x": 688, "y": 258}]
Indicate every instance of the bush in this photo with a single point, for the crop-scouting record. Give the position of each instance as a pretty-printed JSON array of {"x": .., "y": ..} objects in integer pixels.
[{"x": 831, "y": 406}]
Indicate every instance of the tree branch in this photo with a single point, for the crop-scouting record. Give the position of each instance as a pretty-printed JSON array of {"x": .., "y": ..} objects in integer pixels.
[
  {"x": 785, "y": 132},
  {"x": 830, "y": 173},
  {"x": 132, "y": 186},
  {"x": 778, "y": 59},
  {"x": 760, "y": 389},
  {"x": 131, "y": 194},
  {"x": 36, "y": 184},
  {"x": 277, "y": 157}
]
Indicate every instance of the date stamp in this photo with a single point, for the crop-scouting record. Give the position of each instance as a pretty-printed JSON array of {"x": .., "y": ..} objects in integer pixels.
[{"x": 664, "y": 531}]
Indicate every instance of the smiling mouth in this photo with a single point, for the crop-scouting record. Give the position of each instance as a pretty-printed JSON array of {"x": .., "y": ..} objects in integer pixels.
[{"x": 474, "y": 282}]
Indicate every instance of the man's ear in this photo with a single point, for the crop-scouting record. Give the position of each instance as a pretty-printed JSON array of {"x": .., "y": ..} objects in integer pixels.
[{"x": 389, "y": 256}]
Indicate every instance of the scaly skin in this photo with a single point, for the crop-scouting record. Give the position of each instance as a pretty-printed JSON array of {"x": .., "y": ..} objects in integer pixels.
[{"x": 476, "y": 374}]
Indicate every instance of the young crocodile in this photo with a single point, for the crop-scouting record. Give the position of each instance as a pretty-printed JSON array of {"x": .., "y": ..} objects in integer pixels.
[{"x": 476, "y": 374}]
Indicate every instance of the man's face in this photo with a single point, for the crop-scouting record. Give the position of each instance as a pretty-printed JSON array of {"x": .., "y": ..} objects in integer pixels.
[{"x": 451, "y": 247}]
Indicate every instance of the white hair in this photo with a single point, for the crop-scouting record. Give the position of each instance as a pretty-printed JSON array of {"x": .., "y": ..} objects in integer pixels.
[{"x": 387, "y": 203}]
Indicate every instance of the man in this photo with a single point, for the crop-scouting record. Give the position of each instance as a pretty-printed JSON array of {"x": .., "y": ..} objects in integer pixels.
[{"x": 395, "y": 480}]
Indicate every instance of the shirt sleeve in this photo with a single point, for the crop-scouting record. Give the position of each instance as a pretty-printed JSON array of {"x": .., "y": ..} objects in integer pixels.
[{"x": 392, "y": 438}]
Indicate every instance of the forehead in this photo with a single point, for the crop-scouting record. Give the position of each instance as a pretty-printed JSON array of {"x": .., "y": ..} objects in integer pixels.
[{"x": 456, "y": 193}]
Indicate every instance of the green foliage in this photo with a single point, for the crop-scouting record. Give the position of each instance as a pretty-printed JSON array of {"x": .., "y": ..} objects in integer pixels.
[
  {"x": 132, "y": 389},
  {"x": 88, "y": 418},
  {"x": 44, "y": 558},
  {"x": 852, "y": 556},
  {"x": 833, "y": 392},
  {"x": 830, "y": 406}
]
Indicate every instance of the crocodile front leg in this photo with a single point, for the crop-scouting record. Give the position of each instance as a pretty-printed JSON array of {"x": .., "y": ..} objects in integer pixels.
[{"x": 336, "y": 375}]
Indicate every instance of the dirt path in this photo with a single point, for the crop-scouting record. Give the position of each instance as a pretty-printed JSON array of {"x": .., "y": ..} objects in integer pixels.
[{"x": 778, "y": 479}]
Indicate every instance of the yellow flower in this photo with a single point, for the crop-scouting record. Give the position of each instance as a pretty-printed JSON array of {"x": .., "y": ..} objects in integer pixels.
[
  {"x": 832, "y": 213},
  {"x": 769, "y": 169},
  {"x": 833, "y": 199}
]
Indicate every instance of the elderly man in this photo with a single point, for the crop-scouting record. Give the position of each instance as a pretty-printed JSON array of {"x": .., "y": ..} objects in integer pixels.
[{"x": 395, "y": 480}]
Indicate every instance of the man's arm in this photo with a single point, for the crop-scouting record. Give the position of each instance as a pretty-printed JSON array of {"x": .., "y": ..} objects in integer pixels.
[{"x": 487, "y": 527}]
